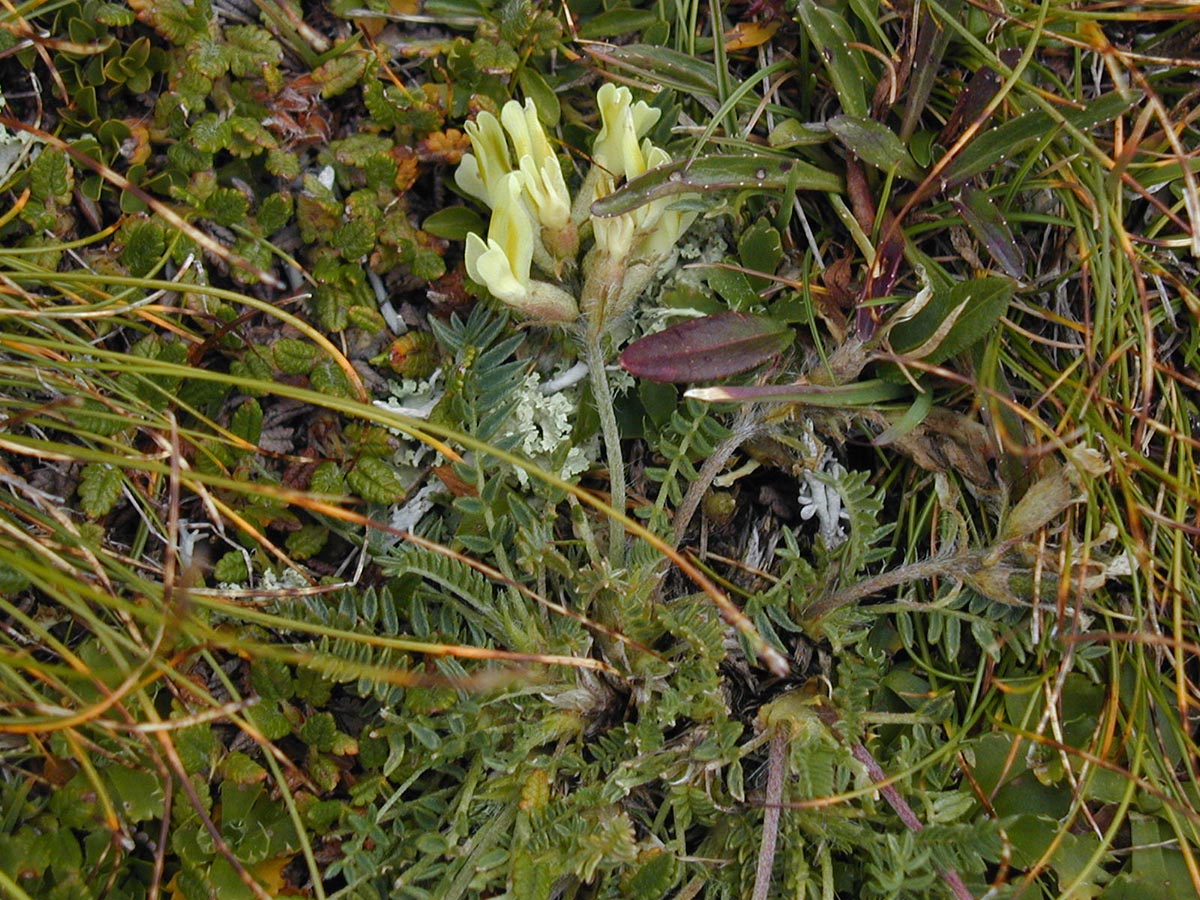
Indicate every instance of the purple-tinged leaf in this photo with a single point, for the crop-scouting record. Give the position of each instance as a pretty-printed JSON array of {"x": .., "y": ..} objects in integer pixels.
[
  {"x": 706, "y": 348},
  {"x": 987, "y": 223},
  {"x": 875, "y": 143}
]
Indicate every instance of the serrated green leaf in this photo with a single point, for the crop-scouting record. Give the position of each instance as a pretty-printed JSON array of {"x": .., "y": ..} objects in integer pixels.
[
  {"x": 427, "y": 264},
  {"x": 313, "y": 686},
  {"x": 272, "y": 679},
  {"x": 328, "y": 479},
  {"x": 247, "y": 420},
  {"x": 319, "y": 731},
  {"x": 208, "y": 56},
  {"x": 274, "y": 212},
  {"x": 283, "y": 164},
  {"x": 250, "y": 137},
  {"x": 175, "y": 20},
  {"x": 294, "y": 357},
  {"x": 242, "y": 770},
  {"x": 307, "y": 542},
  {"x": 231, "y": 568},
  {"x": 328, "y": 378},
  {"x": 494, "y": 57},
  {"x": 50, "y": 175},
  {"x": 375, "y": 481},
  {"x": 145, "y": 244},
  {"x": 339, "y": 74},
  {"x": 210, "y": 134},
  {"x": 99, "y": 488},
  {"x": 251, "y": 49},
  {"x": 354, "y": 240},
  {"x": 114, "y": 15}
]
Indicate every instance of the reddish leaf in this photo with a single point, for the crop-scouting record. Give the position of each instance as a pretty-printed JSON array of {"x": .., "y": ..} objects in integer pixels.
[{"x": 706, "y": 348}]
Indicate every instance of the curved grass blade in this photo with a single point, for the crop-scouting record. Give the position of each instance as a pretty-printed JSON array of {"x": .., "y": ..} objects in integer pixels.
[
  {"x": 768, "y": 174},
  {"x": 859, "y": 393},
  {"x": 992, "y": 147},
  {"x": 104, "y": 360},
  {"x": 911, "y": 418}
]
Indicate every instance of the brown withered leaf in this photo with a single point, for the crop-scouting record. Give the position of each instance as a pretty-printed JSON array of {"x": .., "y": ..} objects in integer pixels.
[{"x": 947, "y": 441}]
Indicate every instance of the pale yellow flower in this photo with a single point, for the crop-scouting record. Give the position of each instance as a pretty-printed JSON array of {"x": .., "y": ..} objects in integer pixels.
[
  {"x": 480, "y": 172},
  {"x": 544, "y": 183},
  {"x": 502, "y": 263},
  {"x": 623, "y": 124}
]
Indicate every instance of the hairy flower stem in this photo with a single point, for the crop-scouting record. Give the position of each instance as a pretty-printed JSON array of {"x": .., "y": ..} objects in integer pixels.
[
  {"x": 594, "y": 357},
  {"x": 748, "y": 424},
  {"x": 774, "y": 800}
]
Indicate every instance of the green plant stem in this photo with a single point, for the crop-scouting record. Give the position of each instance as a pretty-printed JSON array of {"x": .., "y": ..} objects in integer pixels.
[{"x": 594, "y": 357}]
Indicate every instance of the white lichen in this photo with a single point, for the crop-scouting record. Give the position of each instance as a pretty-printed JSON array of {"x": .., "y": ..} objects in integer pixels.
[
  {"x": 543, "y": 423},
  {"x": 818, "y": 498}
]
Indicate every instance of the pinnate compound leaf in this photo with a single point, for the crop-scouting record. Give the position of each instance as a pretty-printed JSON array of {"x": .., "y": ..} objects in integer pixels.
[{"x": 706, "y": 348}]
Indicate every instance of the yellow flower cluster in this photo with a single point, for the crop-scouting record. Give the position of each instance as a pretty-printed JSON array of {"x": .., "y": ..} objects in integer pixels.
[{"x": 514, "y": 170}]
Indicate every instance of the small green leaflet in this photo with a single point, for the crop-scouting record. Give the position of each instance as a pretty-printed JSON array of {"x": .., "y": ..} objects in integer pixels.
[{"x": 99, "y": 488}]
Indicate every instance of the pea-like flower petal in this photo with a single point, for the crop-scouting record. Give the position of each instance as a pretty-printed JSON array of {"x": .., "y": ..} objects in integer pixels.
[
  {"x": 502, "y": 262},
  {"x": 623, "y": 124},
  {"x": 480, "y": 172}
]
